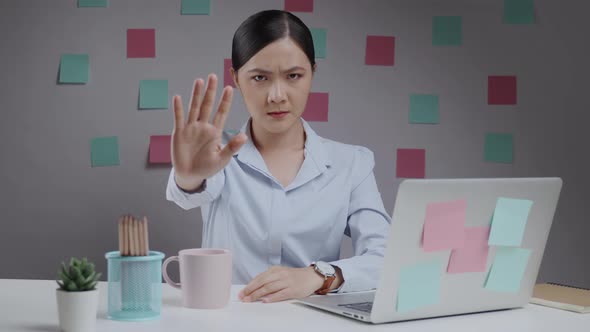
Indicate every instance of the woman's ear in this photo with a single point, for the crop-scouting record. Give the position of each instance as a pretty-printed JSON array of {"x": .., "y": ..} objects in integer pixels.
[
  {"x": 234, "y": 76},
  {"x": 315, "y": 67}
]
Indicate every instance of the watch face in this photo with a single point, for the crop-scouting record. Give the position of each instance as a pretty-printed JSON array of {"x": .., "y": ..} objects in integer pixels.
[{"x": 325, "y": 268}]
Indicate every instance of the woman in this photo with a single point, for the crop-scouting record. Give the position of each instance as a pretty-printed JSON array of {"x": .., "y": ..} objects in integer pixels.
[{"x": 276, "y": 194}]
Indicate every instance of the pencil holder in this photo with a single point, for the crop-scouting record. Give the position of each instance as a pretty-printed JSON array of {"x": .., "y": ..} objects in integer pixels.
[{"x": 134, "y": 286}]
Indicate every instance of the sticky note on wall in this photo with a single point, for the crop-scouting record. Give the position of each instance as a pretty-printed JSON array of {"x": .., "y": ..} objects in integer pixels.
[
  {"x": 519, "y": 11},
  {"x": 473, "y": 257},
  {"x": 424, "y": 109},
  {"x": 410, "y": 163},
  {"x": 92, "y": 3},
  {"x": 419, "y": 285},
  {"x": 74, "y": 68},
  {"x": 305, "y": 6},
  {"x": 502, "y": 90},
  {"x": 447, "y": 31},
  {"x": 444, "y": 225},
  {"x": 319, "y": 41},
  {"x": 499, "y": 148},
  {"x": 380, "y": 51},
  {"x": 104, "y": 151},
  {"x": 227, "y": 78},
  {"x": 507, "y": 270},
  {"x": 141, "y": 43},
  {"x": 153, "y": 94},
  {"x": 160, "y": 149},
  {"x": 195, "y": 7},
  {"x": 317, "y": 107},
  {"x": 509, "y": 221}
]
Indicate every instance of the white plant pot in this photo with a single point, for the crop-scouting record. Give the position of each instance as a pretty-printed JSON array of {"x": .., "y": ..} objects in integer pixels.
[{"x": 77, "y": 310}]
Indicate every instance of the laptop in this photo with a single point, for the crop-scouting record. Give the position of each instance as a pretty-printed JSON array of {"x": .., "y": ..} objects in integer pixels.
[{"x": 455, "y": 293}]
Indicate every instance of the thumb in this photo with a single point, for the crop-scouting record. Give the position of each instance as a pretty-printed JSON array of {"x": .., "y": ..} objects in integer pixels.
[{"x": 233, "y": 146}]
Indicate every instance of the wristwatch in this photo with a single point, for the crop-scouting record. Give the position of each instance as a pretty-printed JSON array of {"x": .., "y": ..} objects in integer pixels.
[{"x": 328, "y": 272}]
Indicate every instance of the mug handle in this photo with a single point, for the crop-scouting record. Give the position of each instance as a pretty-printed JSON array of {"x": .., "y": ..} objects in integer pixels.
[{"x": 165, "y": 272}]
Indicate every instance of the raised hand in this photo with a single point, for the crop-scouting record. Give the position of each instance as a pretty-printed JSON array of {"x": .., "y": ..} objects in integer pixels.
[{"x": 197, "y": 150}]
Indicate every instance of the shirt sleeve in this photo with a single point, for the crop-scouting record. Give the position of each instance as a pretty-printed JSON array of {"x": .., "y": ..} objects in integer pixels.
[
  {"x": 211, "y": 189},
  {"x": 368, "y": 226}
]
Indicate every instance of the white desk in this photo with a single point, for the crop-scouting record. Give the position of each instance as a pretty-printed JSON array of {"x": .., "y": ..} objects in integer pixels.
[{"x": 30, "y": 305}]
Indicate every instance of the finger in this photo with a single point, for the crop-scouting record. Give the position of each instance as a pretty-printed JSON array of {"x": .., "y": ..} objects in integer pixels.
[
  {"x": 224, "y": 107},
  {"x": 193, "y": 113},
  {"x": 281, "y": 295},
  {"x": 260, "y": 280},
  {"x": 265, "y": 290},
  {"x": 233, "y": 146},
  {"x": 208, "y": 99},
  {"x": 178, "y": 112}
]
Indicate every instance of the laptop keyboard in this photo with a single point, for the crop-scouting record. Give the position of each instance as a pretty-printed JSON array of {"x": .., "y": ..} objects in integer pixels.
[{"x": 361, "y": 306}]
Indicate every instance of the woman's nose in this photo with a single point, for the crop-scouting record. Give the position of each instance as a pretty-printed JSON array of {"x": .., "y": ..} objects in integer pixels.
[{"x": 277, "y": 93}]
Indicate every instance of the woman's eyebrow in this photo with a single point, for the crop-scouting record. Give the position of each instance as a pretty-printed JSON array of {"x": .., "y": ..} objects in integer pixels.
[{"x": 260, "y": 70}]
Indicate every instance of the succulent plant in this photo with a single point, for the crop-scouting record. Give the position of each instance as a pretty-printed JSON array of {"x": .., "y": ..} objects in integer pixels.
[{"x": 79, "y": 276}]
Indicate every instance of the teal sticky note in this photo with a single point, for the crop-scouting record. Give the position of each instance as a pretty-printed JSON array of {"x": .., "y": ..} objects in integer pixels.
[
  {"x": 74, "y": 68},
  {"x": 499, "y": 148},
  {"x": 153, "y": 94},
  {"x": 519, "y": 11},
  {"x": 509, "y": 221},
  {"x": 447, "y": 31},
  {"x": 195, "y": 7},
  {"x": 419, "y": 285},
  {"x": 104, "y": 151},
  {"x": 320, "y": 37},
  {"x": 424, "y": 109},
  {"x": 507, "y": 269},
  {"x": 92, "y": 3}
]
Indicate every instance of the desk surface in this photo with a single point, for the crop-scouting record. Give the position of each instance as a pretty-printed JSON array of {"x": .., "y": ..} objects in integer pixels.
[{"x": 30, "y": 305}]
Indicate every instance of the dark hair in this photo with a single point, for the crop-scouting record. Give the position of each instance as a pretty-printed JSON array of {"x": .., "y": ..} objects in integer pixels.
[{"x": 264, "y": 28}]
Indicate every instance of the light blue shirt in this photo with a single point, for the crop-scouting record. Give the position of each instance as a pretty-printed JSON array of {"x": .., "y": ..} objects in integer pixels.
[{"x": 246, "y": 209}]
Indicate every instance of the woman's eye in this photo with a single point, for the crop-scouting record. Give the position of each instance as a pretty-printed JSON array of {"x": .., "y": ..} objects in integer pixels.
[
  {"x": 258, "y": 78},
  {"x": 291, "y": 76}
]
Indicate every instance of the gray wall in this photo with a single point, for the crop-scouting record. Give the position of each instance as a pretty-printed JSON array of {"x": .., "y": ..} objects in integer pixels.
[{"x": 54, "y": 205}]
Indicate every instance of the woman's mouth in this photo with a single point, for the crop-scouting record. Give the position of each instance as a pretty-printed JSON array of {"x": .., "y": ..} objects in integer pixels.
[{"x": 278, "y": 115}]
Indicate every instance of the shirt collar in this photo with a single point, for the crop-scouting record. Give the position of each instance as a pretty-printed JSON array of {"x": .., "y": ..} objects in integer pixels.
[{"x": 314, "y": 149}]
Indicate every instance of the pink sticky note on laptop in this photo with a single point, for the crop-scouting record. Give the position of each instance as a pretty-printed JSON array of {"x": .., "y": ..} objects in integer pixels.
[
  {"x": 444, "y": 225},
  {"x": 141, "y": 43},
  {"x": 501, "y": 90},
  {"x": 317, "y": 107},
  {"x": 473, "y": 257},
  {"x": 160, "y": 149},
  {"x": 299, "y": 6}
]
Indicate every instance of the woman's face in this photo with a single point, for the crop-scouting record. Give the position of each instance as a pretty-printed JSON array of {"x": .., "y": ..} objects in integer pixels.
[{"x": 275, "y": 84}]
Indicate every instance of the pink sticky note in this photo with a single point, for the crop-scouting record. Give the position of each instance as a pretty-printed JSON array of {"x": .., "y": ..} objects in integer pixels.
[
  {"x": 317, "y": 107},
  {"x": 141, "y": 43},
  {"x": 160, "y": 149},
  {"x": 501, "y": 90},
  {"x": 299, "y": 6},
  {"x": 380, "y": 51},
  {"x": 444, "y": 225},
  {"x": 227, "y": 79},
  {"x": 473, "y": 257},
  {"x": 411, "y": 163}
]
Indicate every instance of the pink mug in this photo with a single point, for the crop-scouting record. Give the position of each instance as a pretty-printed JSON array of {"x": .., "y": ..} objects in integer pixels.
[{"x": 205, "y": 277}]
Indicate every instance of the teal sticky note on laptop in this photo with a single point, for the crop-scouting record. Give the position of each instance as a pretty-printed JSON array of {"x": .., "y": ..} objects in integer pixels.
[
  {"x": 153, "y": 94},
  {"x": 74, "y": 68},
  {"x": 507, "y": 270},
  {"x": 419, "y": 285},
  {"x": 447, "y": 31},
  {"x": 104, "y": 151},
  {"x": 519, "y": 11},
  {"x": 509, "y": 221}
]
